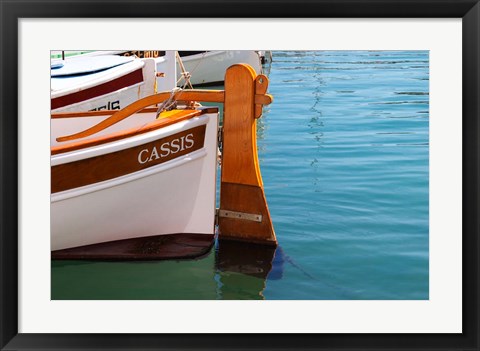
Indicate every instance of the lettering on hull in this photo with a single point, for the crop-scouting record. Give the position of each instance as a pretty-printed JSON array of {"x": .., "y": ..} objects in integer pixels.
[
  {"x": 110, "y": 105},
  {"x": 100, "y": 168},
  {"x": 132, "y": 78},
  {"x": 172, "y": 147}
]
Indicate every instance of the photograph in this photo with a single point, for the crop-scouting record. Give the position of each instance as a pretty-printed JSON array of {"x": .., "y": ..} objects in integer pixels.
[{"x": 322, "y": 194}]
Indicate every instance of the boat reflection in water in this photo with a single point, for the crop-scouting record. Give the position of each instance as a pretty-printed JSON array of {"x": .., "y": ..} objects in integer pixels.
[
  {"x": 243, "y": 269},
  {"x": 231, "y": 270}
]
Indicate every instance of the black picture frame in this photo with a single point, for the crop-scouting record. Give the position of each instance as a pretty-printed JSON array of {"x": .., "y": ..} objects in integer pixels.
[{"x": 12, "y": 11}]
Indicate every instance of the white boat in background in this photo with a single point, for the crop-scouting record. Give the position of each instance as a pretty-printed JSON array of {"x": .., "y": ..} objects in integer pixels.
[
  {"x": 208, "y": 67},
  {"x": 62, "y": 54},
  {"x": 106, "y": 82},
  {"x": 266, "y": 56},
  {"x": 140, "y": 182},
  {"x": 204, "y": 67}
]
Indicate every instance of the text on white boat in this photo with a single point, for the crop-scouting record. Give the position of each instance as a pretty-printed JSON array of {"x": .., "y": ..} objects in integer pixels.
[{"x": 172, "y": 147}]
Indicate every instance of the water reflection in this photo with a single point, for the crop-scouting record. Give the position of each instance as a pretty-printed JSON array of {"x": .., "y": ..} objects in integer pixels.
[
  {"x": 243, "y": 269},
  {"x": 316, "y": 127},
  {"x": 232, "y": 270}
]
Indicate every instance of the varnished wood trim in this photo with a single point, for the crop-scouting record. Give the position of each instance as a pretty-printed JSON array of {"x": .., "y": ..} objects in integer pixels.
[
  {"x": 127, "y": 80},
  {"x": 263, "y": 99},
  {"x": 261, "y": 85},
  {"x": 249, "y": 199},
  {"x": 94, "y": 113},
  {"x": 205, "y": 109},
  {"x": 154, "y": 125},
  {"x": 239, "y": 156},
  {"x": 241, "y": 188},
  {"x": 183, "y": 95},
  {"x": 109, "y": 166}
]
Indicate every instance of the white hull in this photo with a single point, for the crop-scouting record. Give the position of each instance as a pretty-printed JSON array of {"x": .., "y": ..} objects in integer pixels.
[
  {"x": 109, "y": 89},
  {"x": 210, "y": 67},
  {"x": 174, "y": 197},
  {"x": 129, "y": 184},
  {"x": 206, "y": 68}
]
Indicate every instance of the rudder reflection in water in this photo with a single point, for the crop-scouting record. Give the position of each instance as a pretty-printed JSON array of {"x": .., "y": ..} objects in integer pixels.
[
  {"x": 243, "y": 269},
  {"x": 232, "y": 270}
]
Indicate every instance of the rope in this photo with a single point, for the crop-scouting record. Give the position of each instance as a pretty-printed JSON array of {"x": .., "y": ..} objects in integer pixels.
[
  {"x": 169, "y": 103},
  {"x": 185, "y": 75}
]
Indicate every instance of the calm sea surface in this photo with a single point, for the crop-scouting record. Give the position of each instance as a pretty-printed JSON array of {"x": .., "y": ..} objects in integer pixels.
[{"x": 344, "y": 159}]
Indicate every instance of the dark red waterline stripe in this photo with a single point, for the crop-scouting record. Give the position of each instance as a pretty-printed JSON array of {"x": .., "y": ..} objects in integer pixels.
[
  {"x": 99, "y": 90},
  {"x": 159, "y": 247}
]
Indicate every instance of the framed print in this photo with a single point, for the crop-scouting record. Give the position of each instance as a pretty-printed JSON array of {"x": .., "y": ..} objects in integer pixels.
[{"x": 362, "y": 116}]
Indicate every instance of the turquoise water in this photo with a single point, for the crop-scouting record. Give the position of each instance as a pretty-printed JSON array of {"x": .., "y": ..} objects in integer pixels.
[{"x": 344, "y": 158}]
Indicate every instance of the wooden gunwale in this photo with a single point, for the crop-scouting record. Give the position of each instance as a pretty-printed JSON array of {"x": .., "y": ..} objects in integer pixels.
[
  {"x": 154, "y": 125},
  {"x": 183, "y": 95},
  {"x": 94, "y": 113},
  {"x": 139, "y": 105}
]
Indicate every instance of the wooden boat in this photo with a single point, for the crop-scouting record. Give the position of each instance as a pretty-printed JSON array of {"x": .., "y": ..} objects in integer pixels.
[
  {"x": 204, "y": 67},
  {"x": 107, "y": 82},
  {"x": 135, "y": 184},
  {"x": 208, "y": 67}
]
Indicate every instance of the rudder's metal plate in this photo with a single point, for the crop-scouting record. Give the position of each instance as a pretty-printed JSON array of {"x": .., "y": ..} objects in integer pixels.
[{"x": 240, "y": 215}]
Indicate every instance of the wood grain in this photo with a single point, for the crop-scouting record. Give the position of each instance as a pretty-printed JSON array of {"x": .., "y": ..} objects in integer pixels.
[
  {"x": 249, "y": 199},
  {"x": 94, "y": 113},
  {"x": 183, "y": 95},
  {"x": 180, "y": 115},
  {"x": 261, "y": 85},
  {"x": 239, "y": 154},
  {"x": 241, "y": 187}
]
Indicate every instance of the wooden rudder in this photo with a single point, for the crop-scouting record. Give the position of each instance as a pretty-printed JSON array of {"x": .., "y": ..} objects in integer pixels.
[{"x": 243, "y": 213}]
